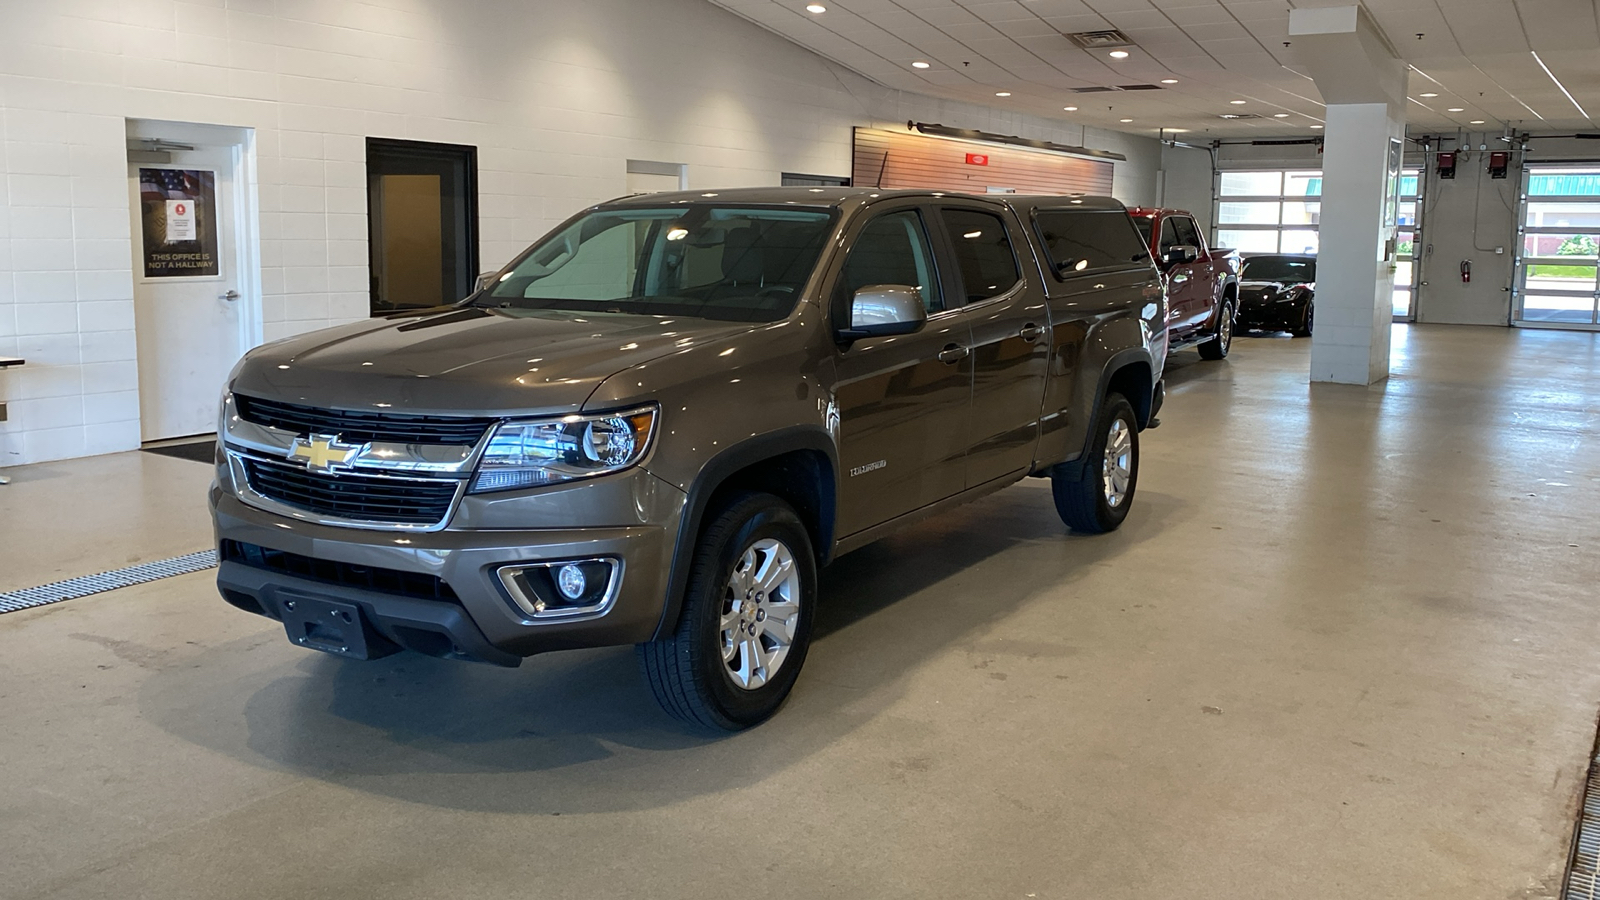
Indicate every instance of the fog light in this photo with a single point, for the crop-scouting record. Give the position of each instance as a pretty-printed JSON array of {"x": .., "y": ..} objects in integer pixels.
[
  {"x": 580, "y": 588},
  {"x": 570, "y": 581}
]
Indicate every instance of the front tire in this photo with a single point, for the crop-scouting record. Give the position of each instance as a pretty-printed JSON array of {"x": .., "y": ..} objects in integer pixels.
[
  {"x": 1304, "y": 329},
  {"x": 1097, "y": 498},
  {"x": 1222, "y": 341},
  {"x": 746, "y": 620}
]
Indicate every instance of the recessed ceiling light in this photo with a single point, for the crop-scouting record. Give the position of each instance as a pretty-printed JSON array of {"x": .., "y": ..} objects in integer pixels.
[
  {"x": 1458, "y": 109},
  {"x": 919, "y": 64},
  {"x": 1070, "y": 108},
  {"x": 1316, "y": 126},
  {"x": 1002, "y": 93},
  {"x": 1280, "y": 115},
  {"x": 1476, "y": 122},
  {"x": 1126, "y": 120},
  {"x": 1428, "y": 94},
  {"x": 1169, "y": 81},
  {"x": 1237, "y": 102},
  {"x": 1175, "y": 130},
  {"x": 1119, "y": 54}
]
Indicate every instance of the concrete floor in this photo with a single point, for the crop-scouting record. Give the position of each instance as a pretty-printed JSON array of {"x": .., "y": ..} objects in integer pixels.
[{"x": 1344, "y": 647}]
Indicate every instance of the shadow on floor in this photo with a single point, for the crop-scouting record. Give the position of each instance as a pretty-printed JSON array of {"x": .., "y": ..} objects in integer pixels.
[
  {"x": 204, "y": 451},
  {"x": 578, "y": 731}
]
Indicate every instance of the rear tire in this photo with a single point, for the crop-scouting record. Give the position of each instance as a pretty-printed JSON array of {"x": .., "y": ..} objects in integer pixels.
[
  {"x": 746, "y": 621},
  {"x": 1097, "y": 498},
  {"x": 1222, "y": 341},
  {"x": 1304, "y": 329}
]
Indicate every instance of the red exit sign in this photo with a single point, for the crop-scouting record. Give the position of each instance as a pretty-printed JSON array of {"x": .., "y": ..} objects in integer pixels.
[{"x": 977, "y": 159}]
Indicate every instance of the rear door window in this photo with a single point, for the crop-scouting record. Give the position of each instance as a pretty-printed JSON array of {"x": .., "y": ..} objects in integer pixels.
[
  {"x": 984, "y": 256},
  {"x": 1085, "y": 240}
]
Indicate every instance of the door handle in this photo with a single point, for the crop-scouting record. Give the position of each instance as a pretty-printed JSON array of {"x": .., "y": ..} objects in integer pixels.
[
  {"x": 1031, "y": 332},
  {"x": 953, "y": 353},
  {"x": 230, "y": 296}
]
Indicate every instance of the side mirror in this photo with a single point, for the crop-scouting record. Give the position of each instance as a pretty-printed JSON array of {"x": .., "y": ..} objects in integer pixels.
[
  {"x": 485, "y": 281},
  {"x": 878, "y": 310},
  {"x": 1179, "y": 254}
]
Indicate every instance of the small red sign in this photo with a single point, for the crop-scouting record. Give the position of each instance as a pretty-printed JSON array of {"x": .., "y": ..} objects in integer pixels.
[
  {"x": 181, "y": 209},
  {"x": 977, "y": 159}
]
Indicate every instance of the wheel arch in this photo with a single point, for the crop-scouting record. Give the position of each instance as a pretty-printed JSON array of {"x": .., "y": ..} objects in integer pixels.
[
  {"x": 1130, "y": 373},
  {"x": 798, "y": 464}
]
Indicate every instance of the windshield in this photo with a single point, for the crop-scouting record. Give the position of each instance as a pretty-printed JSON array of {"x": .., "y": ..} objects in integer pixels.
[
  {"x": 1280, "y": 268},
  {"x": 741, "y": 264}
]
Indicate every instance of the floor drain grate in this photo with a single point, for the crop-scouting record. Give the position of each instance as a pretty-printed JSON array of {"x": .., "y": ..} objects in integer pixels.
[
  {"x": 84, "y": 585},
  {"x": 1583, "y": 876}
]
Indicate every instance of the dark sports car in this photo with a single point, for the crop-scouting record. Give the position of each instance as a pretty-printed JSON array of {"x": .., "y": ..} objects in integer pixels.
[{"x": 1276, "y": 293}]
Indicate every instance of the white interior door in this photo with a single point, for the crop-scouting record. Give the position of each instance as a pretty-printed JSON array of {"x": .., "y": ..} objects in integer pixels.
[{"x": 187, "y": 311}]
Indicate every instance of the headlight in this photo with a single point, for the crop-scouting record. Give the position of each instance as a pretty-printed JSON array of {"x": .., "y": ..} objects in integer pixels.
[{"x": 550, "y": 451}]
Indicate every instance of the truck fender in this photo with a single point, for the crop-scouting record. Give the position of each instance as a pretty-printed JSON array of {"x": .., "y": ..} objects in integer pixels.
[
  {"x": 1142, "y": 405},
  {"x": 717, "y": 472}
]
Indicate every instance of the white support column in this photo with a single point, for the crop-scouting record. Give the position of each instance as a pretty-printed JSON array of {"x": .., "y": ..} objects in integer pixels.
[{"x": 1363, "y": 83}]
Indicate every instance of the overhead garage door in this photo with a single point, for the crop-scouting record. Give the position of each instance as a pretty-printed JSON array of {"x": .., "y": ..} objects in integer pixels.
[{"x": 1556, "y": 248}]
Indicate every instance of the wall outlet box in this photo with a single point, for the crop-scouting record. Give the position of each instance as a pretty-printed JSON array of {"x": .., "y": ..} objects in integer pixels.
[{"x": 1499, "y": 250}]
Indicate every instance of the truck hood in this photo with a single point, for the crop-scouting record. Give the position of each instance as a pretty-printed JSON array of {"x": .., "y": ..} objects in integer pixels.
[{"x": 468, "y": 360}]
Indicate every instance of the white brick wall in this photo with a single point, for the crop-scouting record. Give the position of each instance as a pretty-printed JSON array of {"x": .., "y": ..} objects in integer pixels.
[{"x": 555, "y": 96}]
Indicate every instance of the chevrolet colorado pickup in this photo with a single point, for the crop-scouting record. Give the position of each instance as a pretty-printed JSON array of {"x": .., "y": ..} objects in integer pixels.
[
  {"x": 1202, "y": 282},
  {"x": 655, "y": 425}
]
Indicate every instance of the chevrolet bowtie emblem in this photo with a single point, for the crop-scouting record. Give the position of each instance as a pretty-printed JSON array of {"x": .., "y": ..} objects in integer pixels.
[{"x": 323, "y": 452}]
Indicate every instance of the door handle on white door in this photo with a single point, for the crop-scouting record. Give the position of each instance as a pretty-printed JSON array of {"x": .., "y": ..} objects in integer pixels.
[{"x": 230, "y": 296}]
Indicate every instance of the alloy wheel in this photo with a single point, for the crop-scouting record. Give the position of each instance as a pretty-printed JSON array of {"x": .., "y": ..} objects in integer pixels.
[
  {"x": 1117, "y": 466},
  {"x": 760, "y": 613}
]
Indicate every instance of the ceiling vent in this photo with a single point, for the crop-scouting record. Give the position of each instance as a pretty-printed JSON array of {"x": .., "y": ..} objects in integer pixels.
[
  {"x": 1094, "y": 90},
  {"x": 1240, "y": 116},
  {"x": 1140, "y": 87},
  {"x": 1097, "y": 40},
  {"x": 1112, "y": 88}
]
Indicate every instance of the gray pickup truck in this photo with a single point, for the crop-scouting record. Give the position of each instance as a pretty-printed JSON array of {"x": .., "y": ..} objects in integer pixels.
[{"x": 656, "y": 424}]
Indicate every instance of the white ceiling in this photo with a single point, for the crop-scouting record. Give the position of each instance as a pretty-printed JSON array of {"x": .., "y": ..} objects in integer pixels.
[{"x": 1475, "y": 54}]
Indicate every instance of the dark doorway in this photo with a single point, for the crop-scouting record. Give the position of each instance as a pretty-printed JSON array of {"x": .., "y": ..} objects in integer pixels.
[
  {"x": 797, "y": 179},
  {"x": 422, "y": 223}
]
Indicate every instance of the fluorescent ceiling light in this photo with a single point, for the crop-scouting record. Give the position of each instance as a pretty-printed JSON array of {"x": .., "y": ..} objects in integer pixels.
[
  {"x": 1126, "y": 120},
  {"x": 1559, "y": 84},
  {"x": 1119, "y": 54},
  {"x": 1316, "y": 126},
  {"x": 1428, "y": 94},
  {"x": 1169, "y": 81},
  {"x": 1280, "y": 115},
  {"x": 1237, "y": 102},
  {"x": 1070, "y": 108},
  {"x": 1002, "y": 93},
  {"x": 1476, "y": 122},
  {"x": 1456, "y": 109},
  {"x": 816, "y": 8},
  {"x": 919, "y": 64}
]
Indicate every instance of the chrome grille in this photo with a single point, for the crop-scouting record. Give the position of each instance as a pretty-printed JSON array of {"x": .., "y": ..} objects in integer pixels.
[
  {"x": 357, "y": 427},
  {"x": 360, "y": 498}
]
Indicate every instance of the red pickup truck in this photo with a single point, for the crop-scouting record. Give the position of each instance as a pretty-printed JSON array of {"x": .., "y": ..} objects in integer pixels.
[{"x": 1202, "y": 282}]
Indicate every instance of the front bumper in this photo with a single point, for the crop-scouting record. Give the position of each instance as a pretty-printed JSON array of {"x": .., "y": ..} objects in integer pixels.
[
  {"x": 469, "y": 614},
  {"x": 1271, "y": 315}
]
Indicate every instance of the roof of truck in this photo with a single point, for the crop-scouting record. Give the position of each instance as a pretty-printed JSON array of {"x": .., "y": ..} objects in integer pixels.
[{"x": 842, "y": 196}]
